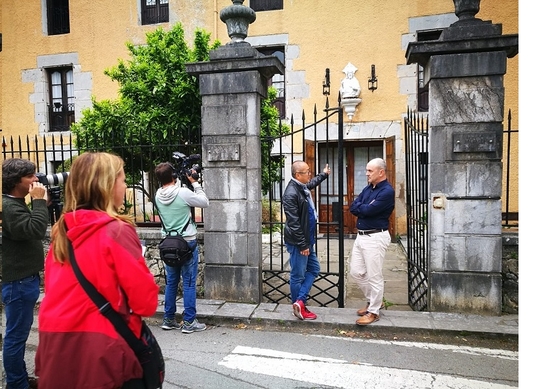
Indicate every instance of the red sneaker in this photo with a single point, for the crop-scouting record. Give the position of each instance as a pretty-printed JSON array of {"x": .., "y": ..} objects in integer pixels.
[
  {"x": 299, "y": 308},
  {"x": 308, "y": 315}
]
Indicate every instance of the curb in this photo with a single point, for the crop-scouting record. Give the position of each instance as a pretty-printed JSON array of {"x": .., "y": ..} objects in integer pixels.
[{"x": 217, "y": 312}]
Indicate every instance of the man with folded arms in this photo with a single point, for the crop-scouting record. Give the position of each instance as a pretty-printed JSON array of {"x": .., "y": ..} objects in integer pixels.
[{"x": 373, "y": 207}]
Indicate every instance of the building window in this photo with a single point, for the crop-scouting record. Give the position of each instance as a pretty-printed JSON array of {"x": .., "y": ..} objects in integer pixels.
[
  {"x": 277, "y": 81},
  {"x": 58, "y": 17},
  {"x": 423, "y": 89},
  {"x": 61, "y": 98},
  {"x": 155, "y": 11},
  {"x": 266, "y": 5}
]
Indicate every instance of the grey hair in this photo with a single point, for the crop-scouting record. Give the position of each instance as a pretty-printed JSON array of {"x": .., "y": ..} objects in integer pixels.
[{"x": 379, "y": 163}]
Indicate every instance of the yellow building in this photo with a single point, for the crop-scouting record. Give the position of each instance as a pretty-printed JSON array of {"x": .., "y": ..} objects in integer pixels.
[{"x": 54, "y": 53}]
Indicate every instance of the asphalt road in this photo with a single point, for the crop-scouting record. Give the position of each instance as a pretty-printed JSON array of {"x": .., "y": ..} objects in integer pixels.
[
  {"x": 255, "y": 356},
  {"x": 248, "y": 356}
]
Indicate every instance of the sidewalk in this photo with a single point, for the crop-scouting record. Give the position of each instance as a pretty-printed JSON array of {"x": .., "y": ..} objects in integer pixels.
[
  {"x": 394, "y": 321},
  {"x": 397, "y": 318}
]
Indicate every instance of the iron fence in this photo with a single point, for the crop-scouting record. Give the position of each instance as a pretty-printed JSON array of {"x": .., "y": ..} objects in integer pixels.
[
  {"x": 510, "y": 198},
  {"x": 54, "y": 154},
  {"x": 328, "y": 288},
  {"x": 416, "y": 161}
]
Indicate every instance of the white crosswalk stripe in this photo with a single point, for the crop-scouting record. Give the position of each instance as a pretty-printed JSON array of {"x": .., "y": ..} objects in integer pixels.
[{"x": 342, "y": 374}]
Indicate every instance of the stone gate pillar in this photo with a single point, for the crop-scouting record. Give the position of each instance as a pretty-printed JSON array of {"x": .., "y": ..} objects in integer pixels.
[
  {"x": 465, "y": 69},
  {"x": 232, "y": 84}
]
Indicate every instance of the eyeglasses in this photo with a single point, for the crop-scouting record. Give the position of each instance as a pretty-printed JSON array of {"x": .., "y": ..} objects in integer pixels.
[{"x": 305, "y": 172}]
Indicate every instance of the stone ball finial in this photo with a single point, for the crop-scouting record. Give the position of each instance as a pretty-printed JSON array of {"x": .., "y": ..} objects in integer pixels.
[
  {"x": 237, "y": 18},
  {"x": 466, "y": 9}
]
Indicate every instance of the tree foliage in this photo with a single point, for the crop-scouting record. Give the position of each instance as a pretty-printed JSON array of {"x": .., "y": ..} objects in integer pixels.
[
  {"x": 158, "y": 107},
  {"x": 158, "y": 102}
]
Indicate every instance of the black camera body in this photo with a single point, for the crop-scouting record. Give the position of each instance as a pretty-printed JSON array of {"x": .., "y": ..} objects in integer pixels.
[
  {"x": 51, "y": 181},
  {"x": 186, "y": 167}
]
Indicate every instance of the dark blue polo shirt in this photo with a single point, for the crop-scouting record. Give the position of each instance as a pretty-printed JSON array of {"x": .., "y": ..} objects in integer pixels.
[{"x": 374, "y": 206}]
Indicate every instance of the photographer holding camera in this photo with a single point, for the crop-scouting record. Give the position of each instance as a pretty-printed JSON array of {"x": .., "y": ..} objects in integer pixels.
[
  {"x": 174, "y": 204},
  {"x": 22, "y": 259}
]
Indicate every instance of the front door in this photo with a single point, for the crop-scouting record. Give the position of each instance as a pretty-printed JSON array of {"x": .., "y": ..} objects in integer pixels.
[{"x": 356, "y": 156}]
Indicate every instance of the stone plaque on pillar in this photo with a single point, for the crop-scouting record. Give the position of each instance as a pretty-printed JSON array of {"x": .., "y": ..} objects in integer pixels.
[{"x": 223, "y": 152}]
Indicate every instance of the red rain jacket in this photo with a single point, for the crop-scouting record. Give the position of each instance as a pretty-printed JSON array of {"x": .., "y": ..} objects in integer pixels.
[{"x": 78, "y": 346}]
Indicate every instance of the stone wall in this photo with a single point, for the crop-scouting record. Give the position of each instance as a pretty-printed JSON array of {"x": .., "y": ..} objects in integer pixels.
[
  {"x": 510, "y": 273},
  {"x": 151, "y": 238}
]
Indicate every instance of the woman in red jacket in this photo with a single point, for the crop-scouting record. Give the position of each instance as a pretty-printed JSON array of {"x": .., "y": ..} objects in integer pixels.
[{"x": 78, "y": 346}]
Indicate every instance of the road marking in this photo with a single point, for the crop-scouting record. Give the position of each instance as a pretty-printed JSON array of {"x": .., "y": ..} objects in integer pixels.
[
  {"x": 342, "y": 374},
  {"x": 479, "y": 351}
]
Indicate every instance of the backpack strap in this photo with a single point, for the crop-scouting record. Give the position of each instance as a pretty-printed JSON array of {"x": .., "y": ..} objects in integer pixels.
[{"x": 163, "y": 223}]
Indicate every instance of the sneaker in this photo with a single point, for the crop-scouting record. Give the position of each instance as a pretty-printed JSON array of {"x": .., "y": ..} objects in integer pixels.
[
  {"x": 195, "y": 326},
  {"x": 170, "y": 324},
  {"x": 298, "y": 307},
  {"x": 308, "y": 315}
]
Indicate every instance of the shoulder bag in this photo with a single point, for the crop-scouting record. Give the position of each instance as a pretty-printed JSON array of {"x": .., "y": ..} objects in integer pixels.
[
  {"x": 174, "y": 250},
  {"x": 146, "y": 347}
]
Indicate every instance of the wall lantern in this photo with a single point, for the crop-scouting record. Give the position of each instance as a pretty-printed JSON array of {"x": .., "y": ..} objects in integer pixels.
[
  {"x": 327, "y": 83},
  {"x": 372, "y": 81}
]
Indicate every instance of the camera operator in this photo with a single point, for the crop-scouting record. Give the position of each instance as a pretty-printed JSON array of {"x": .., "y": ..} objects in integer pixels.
[
  {"x": 174, "y": 205},
  {"x": 22, "y": 259}
]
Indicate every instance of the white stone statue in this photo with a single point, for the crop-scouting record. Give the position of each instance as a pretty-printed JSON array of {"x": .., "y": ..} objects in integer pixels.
[{"x": 350, "y": 87}]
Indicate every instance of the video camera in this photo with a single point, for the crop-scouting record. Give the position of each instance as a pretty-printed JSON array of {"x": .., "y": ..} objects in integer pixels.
[
  {"x": 51, "y": 181},
  {"x": 185, "y": 167}
]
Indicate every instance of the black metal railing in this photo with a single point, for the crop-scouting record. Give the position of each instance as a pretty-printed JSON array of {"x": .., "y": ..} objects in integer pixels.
[
  {"x": 510, "y": 197},
  {"x": 54, "y": 154},
  {"x": 416, "y": 165},
  {"x": 417, "y": 199},
  {"x": 61, "y": 117},
  {"x": 328, "y": 288}
]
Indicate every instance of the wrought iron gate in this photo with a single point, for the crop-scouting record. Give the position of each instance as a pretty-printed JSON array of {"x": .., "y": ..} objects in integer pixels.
[
  {"x": 328, "y": 288},
  {"x": 416, "y": 160}
]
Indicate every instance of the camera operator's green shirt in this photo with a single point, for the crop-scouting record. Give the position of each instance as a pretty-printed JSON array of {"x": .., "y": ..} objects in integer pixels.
[{"x": 174, "y": 206}]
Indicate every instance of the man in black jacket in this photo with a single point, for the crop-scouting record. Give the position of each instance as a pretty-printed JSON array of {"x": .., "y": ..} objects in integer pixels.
[
  {"x": 299, "y": 235},
  {"x": 23, "y": 257}
]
